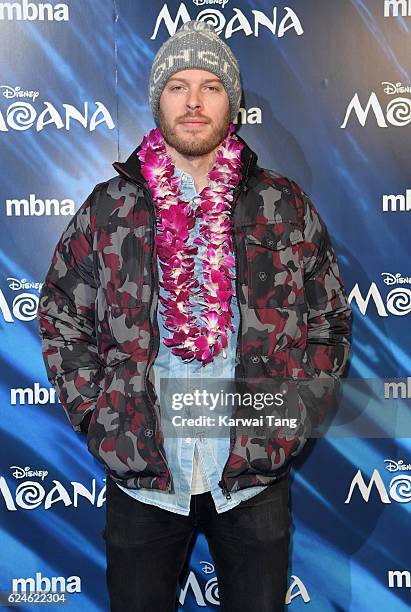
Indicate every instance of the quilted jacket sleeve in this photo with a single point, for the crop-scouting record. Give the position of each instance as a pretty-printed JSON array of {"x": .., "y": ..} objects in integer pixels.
[
  {"x": 66, "y": 319},
  {"x": 329, "y": 316}
]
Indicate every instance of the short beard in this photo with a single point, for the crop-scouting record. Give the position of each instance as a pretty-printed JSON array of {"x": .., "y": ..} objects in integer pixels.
[{"x": 192, "y": 145}]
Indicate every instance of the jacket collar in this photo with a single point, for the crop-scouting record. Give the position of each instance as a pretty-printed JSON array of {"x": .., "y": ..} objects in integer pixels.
[{"x": 131, "y": 168}]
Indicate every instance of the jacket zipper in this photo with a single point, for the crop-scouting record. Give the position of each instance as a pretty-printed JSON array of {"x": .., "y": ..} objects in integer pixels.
[
  {"x": 169, "y": 485},
  {"x": 224, "y": 489},
  {"x": 223, "y": 483}
]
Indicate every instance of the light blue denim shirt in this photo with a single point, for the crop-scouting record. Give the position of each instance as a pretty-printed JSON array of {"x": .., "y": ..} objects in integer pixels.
[{"x": 213, "y": 451}]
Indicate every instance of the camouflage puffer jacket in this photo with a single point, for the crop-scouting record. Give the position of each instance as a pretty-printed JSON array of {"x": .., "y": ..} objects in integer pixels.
[{"x": 97, "y": 318}]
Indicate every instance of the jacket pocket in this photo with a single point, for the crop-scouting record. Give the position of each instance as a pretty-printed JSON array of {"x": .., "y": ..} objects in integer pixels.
[
  {"x": 129, "y": 332},
  {"x": 291, "y": 363},
  {"x": 274, "y": 264},
  {"x": 121, "y": 261},
  {"x": 121, "y": 433}
]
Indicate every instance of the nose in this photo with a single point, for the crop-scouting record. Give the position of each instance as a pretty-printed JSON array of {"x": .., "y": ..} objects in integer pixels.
[
  {"x": 193, "y": 100},
  {"x": 193, "y": 105}
]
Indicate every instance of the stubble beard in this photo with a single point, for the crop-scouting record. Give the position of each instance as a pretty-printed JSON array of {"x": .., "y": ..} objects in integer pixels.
[{"x": 194, "y": 144}]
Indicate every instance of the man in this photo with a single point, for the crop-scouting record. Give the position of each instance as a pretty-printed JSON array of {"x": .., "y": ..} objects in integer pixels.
[{"x": 193, "y": 263}]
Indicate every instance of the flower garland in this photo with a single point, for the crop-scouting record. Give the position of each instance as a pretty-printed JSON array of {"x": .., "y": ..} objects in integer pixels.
[{"x": 193, "y": 339}]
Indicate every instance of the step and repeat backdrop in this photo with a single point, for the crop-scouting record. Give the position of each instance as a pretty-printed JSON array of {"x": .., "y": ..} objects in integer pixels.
[{"x": 327, "y": 102}]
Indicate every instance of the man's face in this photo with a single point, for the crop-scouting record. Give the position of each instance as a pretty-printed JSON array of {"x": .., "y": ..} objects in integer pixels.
[{"x": 194, "y": 114}]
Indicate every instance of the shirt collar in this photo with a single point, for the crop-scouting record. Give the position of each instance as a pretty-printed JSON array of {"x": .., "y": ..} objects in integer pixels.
[{"x": 185, "y": 177}]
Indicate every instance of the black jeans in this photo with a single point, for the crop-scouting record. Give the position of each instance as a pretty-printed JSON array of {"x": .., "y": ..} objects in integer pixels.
[{"x": 146, "y": 548}]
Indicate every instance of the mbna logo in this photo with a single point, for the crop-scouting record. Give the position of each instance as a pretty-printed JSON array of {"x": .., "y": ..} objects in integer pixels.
[{"x": 33, "y": 11}]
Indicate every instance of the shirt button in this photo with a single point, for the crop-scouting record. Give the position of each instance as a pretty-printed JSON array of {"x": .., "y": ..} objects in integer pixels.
[{"x": 188, "y": 440}]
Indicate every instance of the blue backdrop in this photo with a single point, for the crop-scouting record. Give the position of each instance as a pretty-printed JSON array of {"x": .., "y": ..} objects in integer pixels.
[{"x": 326, "y": 102}]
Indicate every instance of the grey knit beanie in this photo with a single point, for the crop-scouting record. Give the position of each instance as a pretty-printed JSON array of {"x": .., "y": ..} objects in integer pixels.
[{"x": 195, "y": 45}]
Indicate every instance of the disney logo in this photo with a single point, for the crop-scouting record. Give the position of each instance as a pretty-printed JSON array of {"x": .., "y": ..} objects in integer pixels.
[
  {"x": 26, "y": 472},
  {"x": 202, "y": 2},
  {"x": 397, "y": 466},
  {"x": 395, "y": 279},
  {"x": 207, "y": 567},
  {"x": 16, "y": 285},
  {"x": 394, "y": 88},
  {"x": 17, "y": 92}
]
